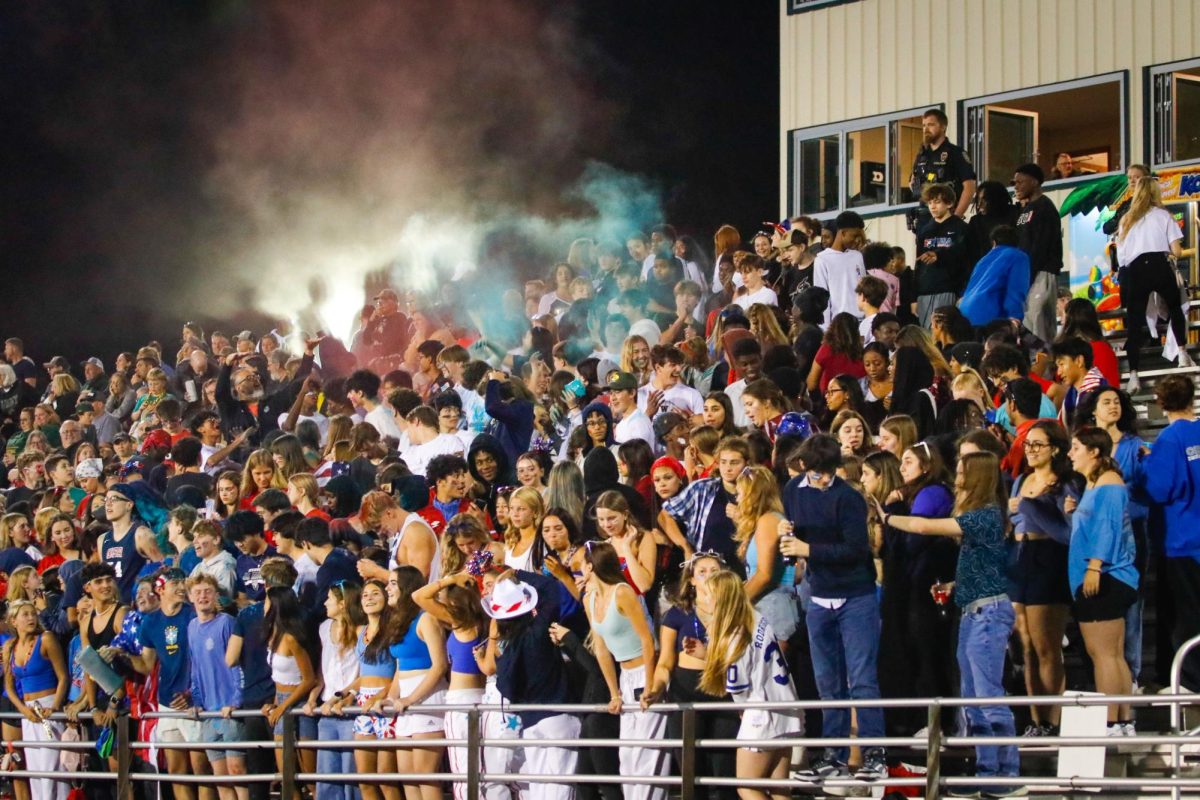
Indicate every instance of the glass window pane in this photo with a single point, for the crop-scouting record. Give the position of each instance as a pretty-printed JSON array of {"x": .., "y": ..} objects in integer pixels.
[
  {"x": 819, "y": 174},
  {"x": 1068, "y": 133},
  {"x": 866, "y": 165},
  {"x": 906, "y": 143},
  {"x": 1185, "y": 115}
]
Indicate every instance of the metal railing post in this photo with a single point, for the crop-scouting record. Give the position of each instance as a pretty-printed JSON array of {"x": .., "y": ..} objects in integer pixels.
[
  {"x": 1177, "y": 710},
  {"x": 124, "y": 757},
  {"x": 687, "y": 765},
  {"x": 473, "y": 751},
  {"x": 933, "y": 756},
  {"x": 288, "y": 773}
]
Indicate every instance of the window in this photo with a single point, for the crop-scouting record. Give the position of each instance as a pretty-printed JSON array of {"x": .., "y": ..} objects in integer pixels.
[
  {"x": 1174, "y": 134},
  {"x": 1071, "y": 130},
  {"x": 862, "y": 164}
]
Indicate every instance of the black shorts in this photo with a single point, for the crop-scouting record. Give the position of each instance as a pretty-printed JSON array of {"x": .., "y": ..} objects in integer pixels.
[
  {"x": 1111, "y": 602},
  {"x": 1037, "y": 573}
]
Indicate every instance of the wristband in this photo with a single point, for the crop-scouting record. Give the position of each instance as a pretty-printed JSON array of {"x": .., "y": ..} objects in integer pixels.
[{"x": 1094, "y": 569}]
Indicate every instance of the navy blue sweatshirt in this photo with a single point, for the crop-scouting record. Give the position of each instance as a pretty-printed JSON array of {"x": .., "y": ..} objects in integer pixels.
[
  {"x": 530, "y": 668},
  {"x": 834, "y": 523}
]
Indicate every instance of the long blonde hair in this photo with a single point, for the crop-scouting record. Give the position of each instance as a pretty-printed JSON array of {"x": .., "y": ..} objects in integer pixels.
[
  {"x": 627, "y": 356},
  {"x": 532, "y": 498},
  {"x": 730, "y": 631},
  {"x": 759, "y": 492},
  {"x": 765, "y": 325},
  {"x": 1146, "y": 196}
]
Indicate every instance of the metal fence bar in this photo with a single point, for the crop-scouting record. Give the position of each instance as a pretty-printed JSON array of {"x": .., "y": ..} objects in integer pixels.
[
  {"x": 1176, "y": 708},
  {"x": 687, "y": 766},
  {"x": 474, "y": 748},
  {"x": 933, "y": 782},
  {"x": 291, "y": 726},
  {"x": 933, "y": 756}
]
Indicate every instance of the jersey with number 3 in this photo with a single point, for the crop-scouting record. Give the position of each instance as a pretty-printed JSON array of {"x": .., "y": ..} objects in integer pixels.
[{"x": 761, "y": 674}]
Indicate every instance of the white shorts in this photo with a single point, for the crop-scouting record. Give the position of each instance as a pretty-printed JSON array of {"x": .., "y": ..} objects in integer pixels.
[
  {"x": 759, "y": 723},
  {"x": 177, "y": 729},
  {"x": 414, "y": 721}
]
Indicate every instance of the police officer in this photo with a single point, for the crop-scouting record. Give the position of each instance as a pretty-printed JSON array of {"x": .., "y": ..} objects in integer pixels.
[{"x": 940, "y": 161}]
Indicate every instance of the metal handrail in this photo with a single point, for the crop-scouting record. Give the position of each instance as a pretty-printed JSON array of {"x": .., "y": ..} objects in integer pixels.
[
  {"x": 933, "y": 782},
  {"x": 1177, "y": 708}
]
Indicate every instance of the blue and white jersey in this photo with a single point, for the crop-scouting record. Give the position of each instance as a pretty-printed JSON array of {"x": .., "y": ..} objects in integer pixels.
[{"x": 761, "y": 674}]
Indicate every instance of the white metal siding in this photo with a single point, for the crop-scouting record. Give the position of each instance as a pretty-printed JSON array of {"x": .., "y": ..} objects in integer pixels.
[{"x": 876, "y": 56}]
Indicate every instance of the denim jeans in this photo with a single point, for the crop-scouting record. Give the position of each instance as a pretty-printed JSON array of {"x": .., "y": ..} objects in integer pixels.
[
  {"x": 982, "y": 638},
  {"x": 845, "y": 653},
  {"x": 336, "y": 762}
]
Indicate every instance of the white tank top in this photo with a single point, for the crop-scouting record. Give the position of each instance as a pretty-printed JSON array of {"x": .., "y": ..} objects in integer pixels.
[
  {"x": 523, "y": 561},
  {"x": 435, "y": 567}
]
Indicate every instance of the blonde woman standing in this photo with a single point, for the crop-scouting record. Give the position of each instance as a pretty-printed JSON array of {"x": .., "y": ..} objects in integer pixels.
[
  {"x": 744, "y": 659},
  {"x": 1148, "y": 243}
]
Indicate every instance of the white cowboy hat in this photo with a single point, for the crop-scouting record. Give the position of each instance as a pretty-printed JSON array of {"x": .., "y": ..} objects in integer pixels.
[{"x": 510, "y": 599}]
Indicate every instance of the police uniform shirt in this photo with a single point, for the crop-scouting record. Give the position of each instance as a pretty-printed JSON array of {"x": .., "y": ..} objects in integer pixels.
[{"x": 944, "y": 164}]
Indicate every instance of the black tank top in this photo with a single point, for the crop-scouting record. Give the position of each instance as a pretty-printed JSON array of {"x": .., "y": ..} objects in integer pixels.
[{"x": 104, "y": 636}]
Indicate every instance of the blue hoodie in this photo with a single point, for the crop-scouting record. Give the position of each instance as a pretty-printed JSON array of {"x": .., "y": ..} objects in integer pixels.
[
  {"x": 1171, "y": 477},
  {"x": 998, "y": 286}
]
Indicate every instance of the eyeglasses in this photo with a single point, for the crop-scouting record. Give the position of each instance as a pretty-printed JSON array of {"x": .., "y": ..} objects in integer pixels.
[
  {"x": 1035, "y": 446},
  {"x": 834, "y": 390}
]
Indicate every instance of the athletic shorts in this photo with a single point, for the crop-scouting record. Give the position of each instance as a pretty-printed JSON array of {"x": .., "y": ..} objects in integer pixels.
[{"x": 414, "y": 721}]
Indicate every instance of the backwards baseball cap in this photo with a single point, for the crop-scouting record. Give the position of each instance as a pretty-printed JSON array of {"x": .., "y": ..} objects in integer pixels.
[
  {"x": 83, "y": 407},
  {"x": 621, "y": 382},
  {"x": 122, "y": 437},
  {"x": 604, "y": 369},
  {"x": 95, "y": 362},
  {"x": 58, "y": 361},
  {"x": 796, "y": 238}
]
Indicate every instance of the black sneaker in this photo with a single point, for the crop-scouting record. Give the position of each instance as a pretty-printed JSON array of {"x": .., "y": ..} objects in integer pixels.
[
  {"x": 824, "y": 767},
  {"x": 874, "y": 766}
]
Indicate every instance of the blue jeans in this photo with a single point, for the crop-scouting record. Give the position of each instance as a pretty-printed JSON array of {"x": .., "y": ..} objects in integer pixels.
[
  {"x": 845, "y": 654},
  {"x": 982, "y": 638},
  {"x": 336, "y": 762}
]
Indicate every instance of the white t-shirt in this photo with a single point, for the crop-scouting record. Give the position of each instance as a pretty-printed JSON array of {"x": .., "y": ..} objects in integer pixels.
[
  {"x": 383, "y": 419},
  {"x": 839, "y": 272},
  {"x": 680, "y": 397},
  {"x": 765, "y": 295},
  {"x": 634, "y": 425},
  {"x": 418, "y": 456},
  {"x": 864, "y": 329},
  {"x": 321, "y": 420},
  {"x": 734, "y": 392},
  {"x": 1153, "y": 233},
  {"x": 306, "y": 571},
  {"x": 647, "y": 329}
]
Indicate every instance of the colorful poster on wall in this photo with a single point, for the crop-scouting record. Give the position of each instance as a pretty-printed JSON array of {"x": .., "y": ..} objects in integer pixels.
[{"x": 1087, "y": 261}]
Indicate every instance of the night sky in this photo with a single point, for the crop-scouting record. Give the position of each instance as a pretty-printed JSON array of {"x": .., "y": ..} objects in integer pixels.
[{"x": 157, "y": 155}]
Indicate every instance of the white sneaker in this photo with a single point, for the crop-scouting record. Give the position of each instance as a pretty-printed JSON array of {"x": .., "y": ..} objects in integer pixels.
[
  {"x": 1185, "y": 360},
  {"x": 1128, "y": 729},
  {"x": 1133, "y": 385},
  {"x": 1116, "y": 729}
]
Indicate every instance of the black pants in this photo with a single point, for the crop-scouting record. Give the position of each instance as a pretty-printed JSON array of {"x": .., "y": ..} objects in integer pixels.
[
  {"x": 1183, "y": 573},
  {"x": 710, "y": 763},
  {"x": 599, "y": 760},
  {"x": 1149, "y": 272}
]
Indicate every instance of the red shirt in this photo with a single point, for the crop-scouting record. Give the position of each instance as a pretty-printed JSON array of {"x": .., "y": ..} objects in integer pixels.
[
  {"x": 833, "y": 364},
  {"x": 319, "y": 514},
  {"x": 1105, "y": 360}
]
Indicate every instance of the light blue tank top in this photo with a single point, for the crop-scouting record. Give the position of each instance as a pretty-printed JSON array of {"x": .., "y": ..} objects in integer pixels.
[
  {"x": 616, "y": 629},
  {"x": 384, "y": 667},
  {"x": 786, "y": 578}
]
